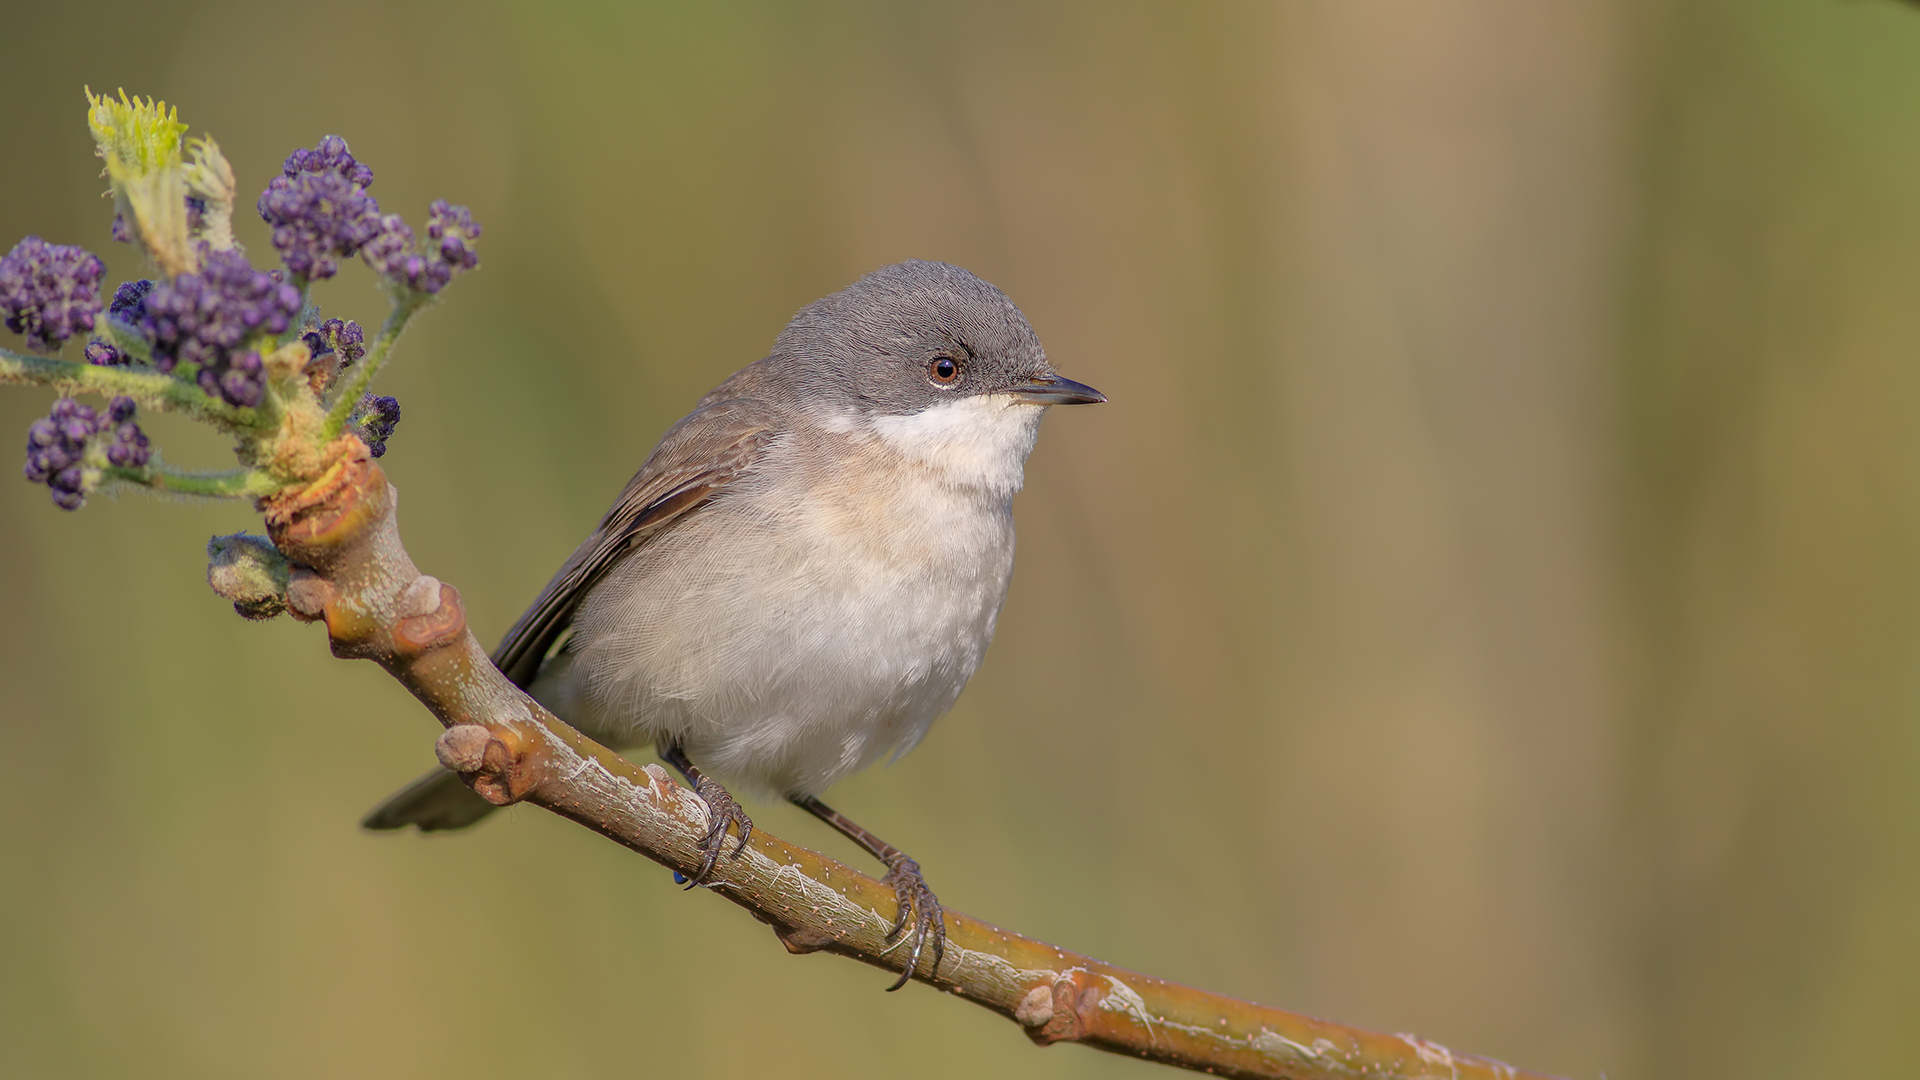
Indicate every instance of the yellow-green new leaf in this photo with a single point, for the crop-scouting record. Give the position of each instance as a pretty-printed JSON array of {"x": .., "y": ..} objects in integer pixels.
[{"x": 141, "y": 142}]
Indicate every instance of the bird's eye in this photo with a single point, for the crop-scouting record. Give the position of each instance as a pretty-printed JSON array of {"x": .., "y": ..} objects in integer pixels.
[{"x": 944, "y": 370}]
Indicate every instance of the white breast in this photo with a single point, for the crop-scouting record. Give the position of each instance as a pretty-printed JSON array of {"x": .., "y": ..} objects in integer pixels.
[{"x": 824, "y": 611}]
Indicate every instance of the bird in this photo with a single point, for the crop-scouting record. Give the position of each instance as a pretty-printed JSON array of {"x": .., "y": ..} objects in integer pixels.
[{"x": 807, "y": 569}]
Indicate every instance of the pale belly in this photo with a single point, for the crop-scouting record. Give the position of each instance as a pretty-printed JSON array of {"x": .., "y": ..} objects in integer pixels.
[{"x": 786, "y": 649}]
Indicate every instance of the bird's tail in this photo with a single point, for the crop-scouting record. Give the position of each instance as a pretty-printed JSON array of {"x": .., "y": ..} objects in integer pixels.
[{"x": 438, "y": 800}]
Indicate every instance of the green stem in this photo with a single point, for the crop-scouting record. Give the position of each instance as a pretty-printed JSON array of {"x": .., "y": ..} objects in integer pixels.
[
  {"x": 150, "y": 388},
  {"x": 298, "y": 327},
  {"x": 234, "y": 484},
  {"x": 361, "y": 376}
]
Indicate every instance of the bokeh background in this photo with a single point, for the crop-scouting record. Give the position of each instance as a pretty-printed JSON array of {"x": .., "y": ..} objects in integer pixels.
[{"x": 1488, "y": 608}]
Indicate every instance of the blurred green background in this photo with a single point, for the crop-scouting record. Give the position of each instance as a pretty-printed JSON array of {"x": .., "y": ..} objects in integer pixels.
[{"x": 1489, "y": 607}]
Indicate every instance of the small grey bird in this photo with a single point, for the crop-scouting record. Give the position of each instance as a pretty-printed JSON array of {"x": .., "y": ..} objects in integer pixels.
[{"x": 807, "y": 569}]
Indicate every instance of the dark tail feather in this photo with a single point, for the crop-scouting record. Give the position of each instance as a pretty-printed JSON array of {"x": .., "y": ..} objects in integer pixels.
[{"x": 438, "y": 800}]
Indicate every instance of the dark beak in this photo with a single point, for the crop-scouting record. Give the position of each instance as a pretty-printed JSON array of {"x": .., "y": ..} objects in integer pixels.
[{"x": 1054, "y": 390}]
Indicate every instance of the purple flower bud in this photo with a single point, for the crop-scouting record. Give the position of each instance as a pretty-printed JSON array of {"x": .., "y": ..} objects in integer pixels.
[
  {"x": 49, "y": 292},
  {"x": 243, "y": 382},
  {"x": 56, "y": 447},
  {"x": 330, "y": 156},
  {"x": 319, "y": 208},
  {"x": 394, "y": 255},
  {"x": 204, "y": 318},
  {"x": 453, "y": 231},
  {"x": 374, "y": 419},
  {"x": 99, "y": 352},
  {"x": 390, "y": 249},
  {"x": 69, "y": 409},
  {"x": 342, "y": 337},
  {"x": 45, "y": 461},
  {"x": 121, "y": 232},
  {"x": 346, "y": 337},
  {"x": 240, "y": 388},
  {"x": 129, "y": 448},
  {"x": 129, "y": 303}
]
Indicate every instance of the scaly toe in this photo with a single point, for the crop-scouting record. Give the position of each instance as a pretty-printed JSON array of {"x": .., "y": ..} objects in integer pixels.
[
  {"x": 919, "y": 905},
  {"x": 722, "y": 811}
]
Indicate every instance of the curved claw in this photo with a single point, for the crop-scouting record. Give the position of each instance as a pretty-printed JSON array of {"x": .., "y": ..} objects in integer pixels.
[
  {"x": 722, "y": 811},
  {"x": 918, "y": 904}
]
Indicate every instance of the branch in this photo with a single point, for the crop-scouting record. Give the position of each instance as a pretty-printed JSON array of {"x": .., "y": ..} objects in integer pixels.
[
  {"x": 352, "y": 573},
  {"x": 149, "y": 388}
]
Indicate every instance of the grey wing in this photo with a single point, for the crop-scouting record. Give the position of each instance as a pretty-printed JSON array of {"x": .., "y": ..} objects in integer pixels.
[{"x": 696, "y": 460}]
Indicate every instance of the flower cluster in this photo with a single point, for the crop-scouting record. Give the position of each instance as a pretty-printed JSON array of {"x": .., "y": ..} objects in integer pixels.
[
  {"x": 319, "y": 208},
  {"x": 59, "y": 444},
  {"x": 330, "y": 156},
  {"x": 203, "y": 318},
  {"x": 211, "y": 318},
  {"x": 393, "y": 255},
  {"x": 373, "y": 420},
  {"x": 331, "y": 347},
  {"x": 451, "y": 232},
  {"x": 49, "y": 292},
  {"x": 56, "y": 446},
  {"x": 342, "y": 337},
  {"x": 243, "y": 382},
  {"x": 128, "y": 448}
]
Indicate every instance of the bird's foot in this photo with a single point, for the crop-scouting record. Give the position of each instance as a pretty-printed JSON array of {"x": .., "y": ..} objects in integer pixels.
[
  {"x": 921, "y": 918},
  {"x": 722, "y": 811}
]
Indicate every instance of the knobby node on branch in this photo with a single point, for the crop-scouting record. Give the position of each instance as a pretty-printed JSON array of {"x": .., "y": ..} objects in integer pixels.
[{"x": 246, "y": 351}]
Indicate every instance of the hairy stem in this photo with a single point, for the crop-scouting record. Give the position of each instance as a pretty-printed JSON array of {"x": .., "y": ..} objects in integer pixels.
[
  {"x": 298, "y": 326},
  {"x": 356, "y": 577},
  {"x": 361, "y": 376},
  {"x": 232, "y": 484},
  {"x": 149, "y": 388}
]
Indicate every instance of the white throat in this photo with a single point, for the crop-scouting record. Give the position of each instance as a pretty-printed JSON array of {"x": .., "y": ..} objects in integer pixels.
[{"x": 979, "y": 441}]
